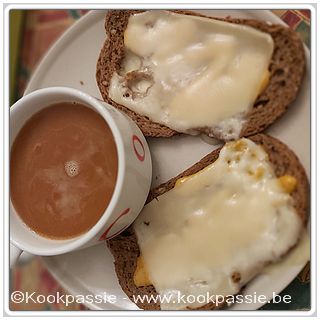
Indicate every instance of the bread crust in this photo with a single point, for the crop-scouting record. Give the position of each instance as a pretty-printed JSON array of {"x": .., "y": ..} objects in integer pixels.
[
  {"x": 286, "y": 73},
  {"x": 125, "y": 248}
]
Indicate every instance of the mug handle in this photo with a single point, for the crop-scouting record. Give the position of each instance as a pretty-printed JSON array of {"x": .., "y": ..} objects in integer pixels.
[{"x": 14, "y": 254}]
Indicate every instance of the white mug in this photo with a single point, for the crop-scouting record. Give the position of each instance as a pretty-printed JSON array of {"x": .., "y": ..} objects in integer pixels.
[{"x": 132, "y": 185}]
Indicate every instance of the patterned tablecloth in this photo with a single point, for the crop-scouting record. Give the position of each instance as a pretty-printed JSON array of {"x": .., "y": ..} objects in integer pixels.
[{"x": 41, "y": 29}]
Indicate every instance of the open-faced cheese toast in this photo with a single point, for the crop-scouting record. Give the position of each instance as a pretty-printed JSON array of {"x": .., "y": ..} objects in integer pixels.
[
  {"x": 216, "y": 225},
  {"x": 179, "y": 71}
]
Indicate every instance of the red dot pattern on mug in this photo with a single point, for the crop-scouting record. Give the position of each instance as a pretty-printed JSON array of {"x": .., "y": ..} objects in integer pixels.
[
  {"x": 138, "y": 148},
  {"x": 105, "y": 235}
]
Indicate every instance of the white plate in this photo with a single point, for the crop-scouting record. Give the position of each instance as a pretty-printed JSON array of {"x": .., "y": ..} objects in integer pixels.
[{"x": 71, "y": 62}]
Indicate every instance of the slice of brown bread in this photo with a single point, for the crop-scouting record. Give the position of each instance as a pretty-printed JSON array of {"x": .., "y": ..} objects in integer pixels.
[
  {"x": 125, "y": 248},
  {"x": 286, "y": 73}
]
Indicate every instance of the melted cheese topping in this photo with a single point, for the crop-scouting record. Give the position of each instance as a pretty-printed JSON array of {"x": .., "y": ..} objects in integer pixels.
[
  {"x": 224, "y": 222},
  {"x": 190, "y": 72},
  {"x": 141, "y": 276}
]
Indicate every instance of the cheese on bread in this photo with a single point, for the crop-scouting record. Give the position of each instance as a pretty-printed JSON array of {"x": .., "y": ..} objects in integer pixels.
[
  {"x": 189, "y": 72},
  {"x": 216, "y": 229}
]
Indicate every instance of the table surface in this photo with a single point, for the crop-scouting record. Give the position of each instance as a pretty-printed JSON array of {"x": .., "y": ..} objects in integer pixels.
[{"x": 41, "y": 29}]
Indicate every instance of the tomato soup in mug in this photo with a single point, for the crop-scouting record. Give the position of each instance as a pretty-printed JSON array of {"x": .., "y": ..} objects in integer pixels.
[{"x": 63, "y": 170}]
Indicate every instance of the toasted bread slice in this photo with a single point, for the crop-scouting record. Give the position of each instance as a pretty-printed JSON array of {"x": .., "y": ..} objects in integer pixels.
[
  {"x": 125, "y": 248},
  {"x": 286, "y": 72}
]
